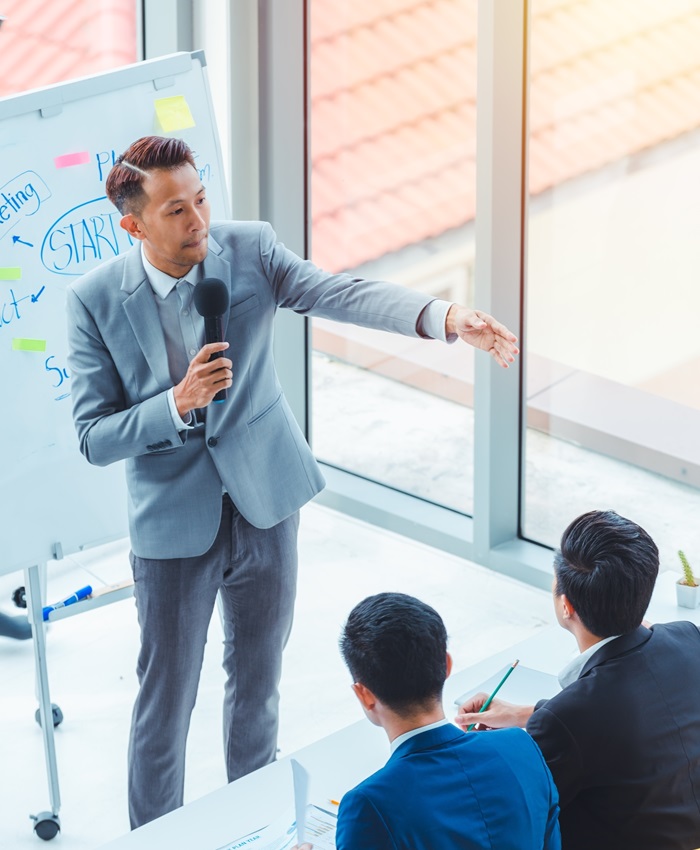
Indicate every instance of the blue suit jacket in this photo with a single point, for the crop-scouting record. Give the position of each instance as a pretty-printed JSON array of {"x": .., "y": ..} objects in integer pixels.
[
  {"x": 445, "y": 789},
  {"x": 251, "y": 443}
]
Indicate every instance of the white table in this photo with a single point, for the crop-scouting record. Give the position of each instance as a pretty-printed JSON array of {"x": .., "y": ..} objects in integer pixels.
[
  {"x": 335, "y": 764},
  {"x": 341, "y": 760}
]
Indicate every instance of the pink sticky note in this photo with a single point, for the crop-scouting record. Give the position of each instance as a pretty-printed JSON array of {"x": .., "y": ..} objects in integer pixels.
[{"x": 68, "y": 159}]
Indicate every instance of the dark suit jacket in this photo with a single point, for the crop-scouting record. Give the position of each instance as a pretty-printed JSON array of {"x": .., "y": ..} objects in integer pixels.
[
  {"x": 447, "y": 790},
  {"x": 623, "y": 744}
]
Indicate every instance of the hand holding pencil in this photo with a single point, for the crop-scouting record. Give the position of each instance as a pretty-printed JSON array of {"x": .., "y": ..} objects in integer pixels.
[{"x": 486, "y": 712}]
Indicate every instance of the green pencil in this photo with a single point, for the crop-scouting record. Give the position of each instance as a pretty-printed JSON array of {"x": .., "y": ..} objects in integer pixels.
[{"x": 495, "y": 691}]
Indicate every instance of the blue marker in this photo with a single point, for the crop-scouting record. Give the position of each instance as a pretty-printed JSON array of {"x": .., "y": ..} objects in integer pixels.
[{"x": 76, "y": 597}]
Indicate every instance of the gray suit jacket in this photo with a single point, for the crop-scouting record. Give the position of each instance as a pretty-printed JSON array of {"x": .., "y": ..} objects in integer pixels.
[{"x": 251, "y": 443}]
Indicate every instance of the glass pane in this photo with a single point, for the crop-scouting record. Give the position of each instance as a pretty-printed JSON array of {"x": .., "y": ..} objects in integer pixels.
[
  {"x": 392, "y": 196},
  {"x": 613, "y": 397},
  {"x": 49, "y": 41}
]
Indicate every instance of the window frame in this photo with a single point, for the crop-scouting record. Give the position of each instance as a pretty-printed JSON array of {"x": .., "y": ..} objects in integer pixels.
[{"x": 278, "y": 122}]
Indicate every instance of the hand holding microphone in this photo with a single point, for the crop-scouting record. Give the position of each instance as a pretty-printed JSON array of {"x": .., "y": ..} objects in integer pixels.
[{"x": 209, "y": 373}]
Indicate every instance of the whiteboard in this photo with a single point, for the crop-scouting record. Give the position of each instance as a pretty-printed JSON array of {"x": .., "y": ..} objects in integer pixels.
[{"x": 57, "y": 145}]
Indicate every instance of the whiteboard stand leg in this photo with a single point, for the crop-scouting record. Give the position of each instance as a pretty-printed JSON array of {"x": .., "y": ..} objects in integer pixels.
[
  {"x": 34, "y": 609},
  {"x": 43, "y": 583}
]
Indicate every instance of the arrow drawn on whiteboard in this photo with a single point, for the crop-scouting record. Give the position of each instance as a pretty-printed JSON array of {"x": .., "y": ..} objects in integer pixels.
[
  {"x": 16, "y": 239},
  {"x": 35, "y": 298}
]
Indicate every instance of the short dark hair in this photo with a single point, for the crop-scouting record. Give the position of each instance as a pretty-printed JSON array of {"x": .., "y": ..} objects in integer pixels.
[
  {"x": 396, "y": 646},
  {"x": 124, "y": 185},
  {"x": 607, "y": 567}
]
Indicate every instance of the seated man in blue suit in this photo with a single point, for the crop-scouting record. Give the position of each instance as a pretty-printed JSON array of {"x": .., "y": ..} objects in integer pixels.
[
  {"x": 622, "y": 738},
  {"x": 441, "y": 788}
]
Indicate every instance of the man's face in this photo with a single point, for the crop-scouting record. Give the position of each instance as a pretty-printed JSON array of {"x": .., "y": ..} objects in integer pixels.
[{"x": 174, "y": 222}]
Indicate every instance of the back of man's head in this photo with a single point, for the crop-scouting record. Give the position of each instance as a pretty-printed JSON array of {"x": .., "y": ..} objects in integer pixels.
[
  {"x": 124, "y": 184},
  {"x": 396, "y": 646},
  {"x": 607, "y": 567}
]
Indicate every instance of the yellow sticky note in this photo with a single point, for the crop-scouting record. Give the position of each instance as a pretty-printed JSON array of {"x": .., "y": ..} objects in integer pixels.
[
  {"x": 28, "y": 344},
  {"x": 174, "y": 113}
]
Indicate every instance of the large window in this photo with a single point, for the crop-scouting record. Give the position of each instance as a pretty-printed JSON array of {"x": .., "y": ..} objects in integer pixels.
[
  {"x": 613, "y": 397},
  {"x": 377, "y": 114},
  {"x": 393, "y": 87},
  {"x": 49, "y": 41}
]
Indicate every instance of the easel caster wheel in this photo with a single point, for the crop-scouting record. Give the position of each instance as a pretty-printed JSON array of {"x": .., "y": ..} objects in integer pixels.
[
  {"x": 46, "y": 825},
  {"x": 57, "y": 717},
  {"x": 19, "y": 597}
]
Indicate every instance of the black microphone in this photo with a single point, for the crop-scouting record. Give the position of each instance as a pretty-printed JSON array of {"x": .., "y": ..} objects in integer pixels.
[{"x": 212, "y": 300}]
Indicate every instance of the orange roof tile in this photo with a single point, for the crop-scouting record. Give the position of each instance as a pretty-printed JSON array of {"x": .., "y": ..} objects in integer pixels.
[
  {"x": 47, "y": 41},
  {"x": 393, "y": 107},
  {"x": 393, "y": 92}
]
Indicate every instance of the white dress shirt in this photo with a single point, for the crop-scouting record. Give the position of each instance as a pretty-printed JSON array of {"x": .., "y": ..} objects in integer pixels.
[
  {"x": 406, "y": 735},
  {"x": 183, "y": 327},
  {"x": 573, "y": 669}
]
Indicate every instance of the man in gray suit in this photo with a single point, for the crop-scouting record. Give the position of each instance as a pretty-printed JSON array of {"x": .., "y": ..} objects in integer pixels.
[{"x": 214, "y": 490}]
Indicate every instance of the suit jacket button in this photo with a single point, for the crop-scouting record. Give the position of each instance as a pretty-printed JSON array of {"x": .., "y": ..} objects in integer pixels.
[{"x": 212, "y": 441}]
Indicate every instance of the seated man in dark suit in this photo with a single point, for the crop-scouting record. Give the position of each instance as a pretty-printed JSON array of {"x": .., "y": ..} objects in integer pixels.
[
  {"x": 440, "y": 788},
  {"x": 622, "y": 739}
]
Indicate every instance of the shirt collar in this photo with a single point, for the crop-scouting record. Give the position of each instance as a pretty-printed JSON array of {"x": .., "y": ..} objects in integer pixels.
[
  {"x": 573, "y": 669},
  {"x": 406, "y": 735},
  {"x": 163, "y": 284}
]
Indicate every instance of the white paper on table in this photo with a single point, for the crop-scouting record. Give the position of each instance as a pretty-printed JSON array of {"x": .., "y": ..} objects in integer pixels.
[
  {"x": 277, "y": 831},
  {"x": 320, "y": 827},
  {"x": 281, "y": 834},
  {"x": 301, "y": 798},
  {"x": 525, "y": 686}
]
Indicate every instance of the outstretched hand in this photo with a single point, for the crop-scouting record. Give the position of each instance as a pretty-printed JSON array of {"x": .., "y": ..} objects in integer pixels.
[{"x": 483, "y": 332}]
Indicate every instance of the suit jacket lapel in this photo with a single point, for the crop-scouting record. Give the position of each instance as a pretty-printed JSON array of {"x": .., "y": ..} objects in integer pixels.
[
  {"x": 214, "y": 265},
  {"x": 142, "y": 313},
  {"x": 619, "y": 646}
]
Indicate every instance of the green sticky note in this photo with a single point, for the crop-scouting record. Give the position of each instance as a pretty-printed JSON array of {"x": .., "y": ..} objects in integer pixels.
[
  {"x": 10, "y": 273},
  {"x": 174, "y": 114},
  {"x": 28, "y": 344}
]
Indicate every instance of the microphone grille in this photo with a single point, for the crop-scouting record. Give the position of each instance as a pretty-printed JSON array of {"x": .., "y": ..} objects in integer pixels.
[{"x": 211, "y": 297}]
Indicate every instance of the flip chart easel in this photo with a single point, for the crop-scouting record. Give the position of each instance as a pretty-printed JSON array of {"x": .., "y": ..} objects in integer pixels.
[{"x": 57, "y": 145}]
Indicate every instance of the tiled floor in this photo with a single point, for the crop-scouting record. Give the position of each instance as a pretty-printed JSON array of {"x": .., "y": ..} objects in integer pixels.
[{"x": 92, "y": 662}]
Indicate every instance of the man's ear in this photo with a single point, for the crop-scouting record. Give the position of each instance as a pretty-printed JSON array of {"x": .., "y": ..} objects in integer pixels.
[
  {"x": 366, "y": 697},
  {"x": 448, "y": 665},
  {"x": 132, "y": 227},
  {"x": 567, "y": 609}
]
